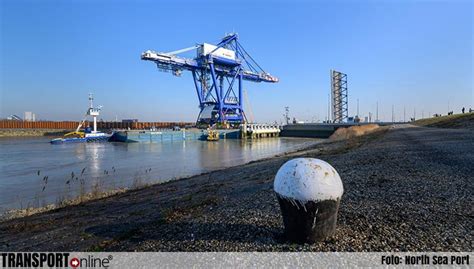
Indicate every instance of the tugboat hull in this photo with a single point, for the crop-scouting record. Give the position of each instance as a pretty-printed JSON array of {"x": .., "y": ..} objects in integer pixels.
[{"x": 104, "y": 138}]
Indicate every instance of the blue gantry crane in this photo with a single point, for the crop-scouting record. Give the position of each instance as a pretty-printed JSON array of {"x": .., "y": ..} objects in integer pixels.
[{"x": 218, "y": 72}]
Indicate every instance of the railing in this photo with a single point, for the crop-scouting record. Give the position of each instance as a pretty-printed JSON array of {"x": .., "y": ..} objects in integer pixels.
[{"x": 260, "y": 130}]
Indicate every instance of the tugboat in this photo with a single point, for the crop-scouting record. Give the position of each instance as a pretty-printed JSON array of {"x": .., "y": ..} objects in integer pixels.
[
  {"x": 87, "y": 135},
  {"x": 213, "y": 135}
]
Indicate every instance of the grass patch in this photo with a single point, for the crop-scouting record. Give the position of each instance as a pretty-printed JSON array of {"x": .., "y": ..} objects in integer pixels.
[
  {"x": 451, "y": 121},
  {"x": 353, "y": 131},
  {"x": 354, "y": 142},
  {"x": 19, "y": 213}
]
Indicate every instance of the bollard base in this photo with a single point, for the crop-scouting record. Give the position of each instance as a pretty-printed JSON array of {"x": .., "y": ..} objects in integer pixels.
[{"x": 308, "y": 222}]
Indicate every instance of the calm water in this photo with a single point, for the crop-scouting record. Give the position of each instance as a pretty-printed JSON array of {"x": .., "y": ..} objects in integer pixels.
[{"x": 114, "y": 165}]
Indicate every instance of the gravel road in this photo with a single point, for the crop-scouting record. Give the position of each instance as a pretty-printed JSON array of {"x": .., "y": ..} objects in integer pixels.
[{"x": 406, "y": 189}]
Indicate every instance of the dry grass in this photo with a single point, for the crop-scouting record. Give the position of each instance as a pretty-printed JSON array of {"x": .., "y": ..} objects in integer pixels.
[
  {"x": 452, "y": 121},
  {"x": 19, "y": 213},
  {"x": 353, "y": 131}
]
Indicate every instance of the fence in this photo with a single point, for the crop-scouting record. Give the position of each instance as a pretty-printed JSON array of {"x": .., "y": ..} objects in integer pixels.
[{"x": 70, "y": 125}]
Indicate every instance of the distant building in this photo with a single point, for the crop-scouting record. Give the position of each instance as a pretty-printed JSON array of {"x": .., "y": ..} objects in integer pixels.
[
  {"x": 354, "y": 119},
  {"x": 29, "y": 116},
  {"x": 129, "y": 120}
]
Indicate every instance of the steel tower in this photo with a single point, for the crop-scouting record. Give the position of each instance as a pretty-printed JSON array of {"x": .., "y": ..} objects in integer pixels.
[{"x": 339, "y": 103}]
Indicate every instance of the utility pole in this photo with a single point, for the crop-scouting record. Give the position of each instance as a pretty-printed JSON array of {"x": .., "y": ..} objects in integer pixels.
[
  {"x": 393, "y": 118},
  {"x": 422, "y": 114},
  {"x": 377, "y": 113},
  {"x": 414, "y": 113},
  {"x": 287, "y": 113},
  {"x": 329, "y": 108},
  {"x": 404, "y": 114},
  {"x": 357, "y": 107}
]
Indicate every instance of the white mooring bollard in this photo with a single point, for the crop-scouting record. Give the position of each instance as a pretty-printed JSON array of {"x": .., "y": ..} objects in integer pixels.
[{"x": 309, "y": 192}]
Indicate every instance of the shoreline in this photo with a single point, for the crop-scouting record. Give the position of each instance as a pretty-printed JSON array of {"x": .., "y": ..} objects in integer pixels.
[
  {"x": 14, "y": 213},
  {"x": 235, "y": 209},
  {"x": 12, "y": 133}
]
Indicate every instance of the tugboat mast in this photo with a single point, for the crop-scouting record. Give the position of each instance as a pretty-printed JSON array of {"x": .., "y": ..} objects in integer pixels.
[
  {"x": 94, "y": 112},
  {"x": 91, "y": 100}
]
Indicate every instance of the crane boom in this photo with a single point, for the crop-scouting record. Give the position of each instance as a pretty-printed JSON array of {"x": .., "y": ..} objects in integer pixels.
[{"x": 167, "y": 61}]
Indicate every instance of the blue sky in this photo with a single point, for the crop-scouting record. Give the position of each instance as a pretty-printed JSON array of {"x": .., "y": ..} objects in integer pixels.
[{"x": 412, "y": 54}]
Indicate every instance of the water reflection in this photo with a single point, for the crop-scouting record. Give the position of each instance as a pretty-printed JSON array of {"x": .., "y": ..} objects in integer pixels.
[{"x": 114, "y": 165}]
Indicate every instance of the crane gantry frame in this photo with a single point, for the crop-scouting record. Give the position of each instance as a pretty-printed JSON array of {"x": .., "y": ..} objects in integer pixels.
[{"x": 218, "y": 72}]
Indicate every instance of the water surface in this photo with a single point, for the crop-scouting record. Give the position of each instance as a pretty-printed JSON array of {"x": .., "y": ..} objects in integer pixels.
[{"x": 35, "y": 173}]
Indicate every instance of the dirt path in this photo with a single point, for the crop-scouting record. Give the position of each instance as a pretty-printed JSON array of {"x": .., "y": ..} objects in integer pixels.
[{"x": 410, "y": 189}]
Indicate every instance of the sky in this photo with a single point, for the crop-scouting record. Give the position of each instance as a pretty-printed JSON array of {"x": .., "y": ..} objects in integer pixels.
[{"x": 416, "y": 56}]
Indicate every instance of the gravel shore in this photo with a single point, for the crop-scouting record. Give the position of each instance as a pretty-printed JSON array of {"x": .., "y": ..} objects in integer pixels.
[
  {"x": 32, "y": 132},
  {"x": 405, "y": 189}
]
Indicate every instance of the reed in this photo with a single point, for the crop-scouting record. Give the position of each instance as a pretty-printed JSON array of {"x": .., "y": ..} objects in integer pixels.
[{"x": 83, "y": 186}]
